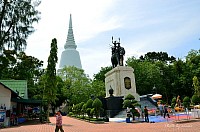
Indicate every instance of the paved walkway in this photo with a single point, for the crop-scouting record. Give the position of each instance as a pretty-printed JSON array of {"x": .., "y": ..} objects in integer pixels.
[{"x": 74, "y": 125}]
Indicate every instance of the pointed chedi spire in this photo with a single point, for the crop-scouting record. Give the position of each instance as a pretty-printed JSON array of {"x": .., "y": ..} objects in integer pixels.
[
  {"x": 70, "y": 43},
  {"x": 70, "y": 56}
]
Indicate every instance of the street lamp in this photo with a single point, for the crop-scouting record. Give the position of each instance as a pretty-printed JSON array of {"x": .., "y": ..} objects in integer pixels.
[{"x": 154, "y": 89}]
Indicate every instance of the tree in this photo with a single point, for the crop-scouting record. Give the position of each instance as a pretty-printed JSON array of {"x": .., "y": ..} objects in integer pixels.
[
  {"x": 20, "y": 66},
  {"x": 130, "y": 102},
  {"x": 98, "y": 88},
  {"x": 97, "y": 104},
  {"x": 51, "y": 80},
  {"x": 101, "y": 74},
  {"x": 60, "y": 97},
  {"x": 158, "y": 56},
  {"x": 195, "y": 99},
  {"x": 182, "y": 84},
  {"x": 77, "y": 85},
  {"x": 196, "y": 86},
  {"x": 16, "y": 19},
  {"x": 28, "y": 68},
  {"x": 146, "y": 75},
  {"x": 7, "y": 61}
]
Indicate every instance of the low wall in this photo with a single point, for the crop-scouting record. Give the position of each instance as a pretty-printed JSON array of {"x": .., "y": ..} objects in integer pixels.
[{"x": 195, "y": 113}]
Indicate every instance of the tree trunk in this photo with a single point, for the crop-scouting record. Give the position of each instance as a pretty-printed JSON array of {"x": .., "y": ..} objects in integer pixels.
[
  {"x": 53, "y": 109},
  {"x": 48, "y": 111},
  {"x": 133, "y": 116}
]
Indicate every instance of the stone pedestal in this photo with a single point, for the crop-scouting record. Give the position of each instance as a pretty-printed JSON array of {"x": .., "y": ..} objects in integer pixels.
[
  {"x": 122, "y": 80},
  {"x": 114, "y": 105}
]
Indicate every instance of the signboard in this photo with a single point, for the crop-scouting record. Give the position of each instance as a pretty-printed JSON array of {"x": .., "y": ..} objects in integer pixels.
[
  {"x": 127, "y": 83},
  {"x": 2, "y": 115}
]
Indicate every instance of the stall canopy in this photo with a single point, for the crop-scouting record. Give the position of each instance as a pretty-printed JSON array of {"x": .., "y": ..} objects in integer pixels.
[
  {"x": 157, "y": 96},
  {"x": 27, "y": 101}
]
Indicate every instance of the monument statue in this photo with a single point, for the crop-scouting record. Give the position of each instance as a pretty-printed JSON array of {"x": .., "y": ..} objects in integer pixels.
[
  {"x": 119, "y": 81},
  {"x": 118, "y": 53}
]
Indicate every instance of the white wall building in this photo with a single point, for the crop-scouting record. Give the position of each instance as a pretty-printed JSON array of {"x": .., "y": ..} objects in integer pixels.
[{"x": 5, "y": 103}]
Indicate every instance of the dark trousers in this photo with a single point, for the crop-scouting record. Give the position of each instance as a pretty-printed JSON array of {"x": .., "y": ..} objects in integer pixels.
[
  {"x": 59, "y": 128},
  {"x": 146, "y": 117},
  {"x": 166, "y": 112}
]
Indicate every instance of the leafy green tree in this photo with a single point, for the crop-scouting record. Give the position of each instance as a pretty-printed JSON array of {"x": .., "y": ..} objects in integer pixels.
[
  {"x": 16, "y": 19},
  {"x": 101, "y": 74},
  {"x": 51, "y": 80},
  {"x": 60, "y": 97},
  {"x": 7, "y": 61},
  {"x": 77, "y": 86},
  {"x": 164, "y": 86},
  {"x": 28, "y": 68},
  {"x": 147, "y": 74},
  {"x": 39, "y": 88},
  {"x": 193, "y": 62},
  {"x": 98, "y": 88},
  {"x": 158, "y": 56},
  {"x": 195, "y": 99},
  {"x": 196, "y": 86},
  {"x": 97, "y": 105},
  {"x": 182, "y": 84},
  {"x": 24, "y": 67}
]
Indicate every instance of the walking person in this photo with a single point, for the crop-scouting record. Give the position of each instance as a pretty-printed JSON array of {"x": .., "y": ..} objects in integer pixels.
[
  {"x": 166, "y": 111},
  {"x": 59, "y": 122},
  {"x": 146, "y": 115}
]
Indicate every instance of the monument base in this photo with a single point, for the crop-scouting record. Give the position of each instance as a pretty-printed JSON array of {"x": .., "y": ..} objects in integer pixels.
[
  {"x": 122, "y": 80},
  {"x": 114, "y": 105}
]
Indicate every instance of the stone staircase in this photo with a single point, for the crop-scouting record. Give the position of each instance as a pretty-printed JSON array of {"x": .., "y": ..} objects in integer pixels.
[
  {"x": 143, "y": 102},
  {"x": 147, "y": 103}
]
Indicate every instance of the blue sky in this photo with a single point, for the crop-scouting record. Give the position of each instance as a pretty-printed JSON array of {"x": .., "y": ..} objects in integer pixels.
[{"x": 172, "y": 26}]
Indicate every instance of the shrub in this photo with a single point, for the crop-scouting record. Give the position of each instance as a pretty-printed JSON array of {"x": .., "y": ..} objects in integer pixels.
[
  {"x": 129, "y": 97},
  {"x": 186, "y": 102},
  {"x": 88, "y": 111},
  {"x": 126, "y": 103},
  {"x": 131, "y": 103},
  {"x": 84, "y": 109},
  {"x": 173, "y": 102},
  {"x": 97, "y": 104},
  {"x": 70, "y": 114},
  {"x": 195, "y": 99},
  {"x": 89, "y": 103},
  {"x": 92, "y": 112}
]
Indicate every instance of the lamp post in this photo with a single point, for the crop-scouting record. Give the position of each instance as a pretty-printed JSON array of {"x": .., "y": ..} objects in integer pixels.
[{"x": 154, "y": 89}]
